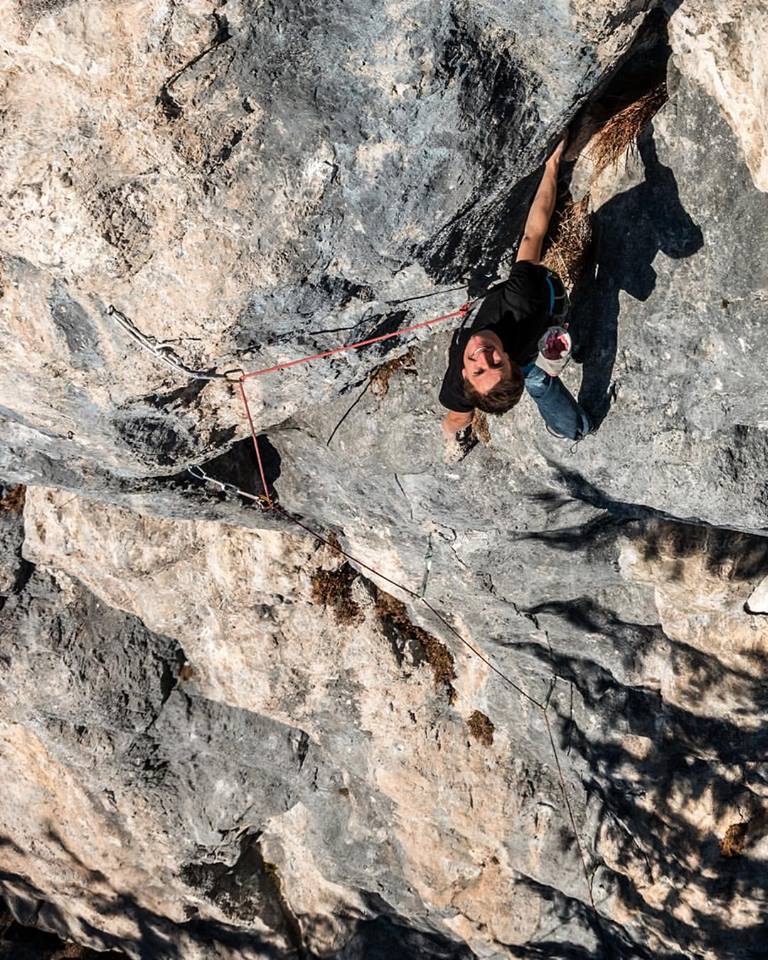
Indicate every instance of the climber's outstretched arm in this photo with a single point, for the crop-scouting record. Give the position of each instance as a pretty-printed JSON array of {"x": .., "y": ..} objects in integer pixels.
[{"x": 542, "y": 208}]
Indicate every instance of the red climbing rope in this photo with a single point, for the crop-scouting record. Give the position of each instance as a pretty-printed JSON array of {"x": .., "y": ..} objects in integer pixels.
[
  {"x": 264, "y": 485},
  {"x": 268, "y": 503},
  {"x": 462, "y": 311}
]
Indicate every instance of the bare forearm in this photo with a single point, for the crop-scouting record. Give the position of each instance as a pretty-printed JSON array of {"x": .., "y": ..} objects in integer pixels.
[
  {"x": 541, "y": 211},
  {"x": 453, "y": 422},
  {"x": 543, "y": 205}
]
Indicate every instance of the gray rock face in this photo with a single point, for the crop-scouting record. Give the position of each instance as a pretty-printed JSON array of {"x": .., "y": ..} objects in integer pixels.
[
  {"x": 719, "y": 45},
  {"x": 248, "y": 181},
  {"x": 219, "y": 737},
  {"x": 12, "y": 565}
]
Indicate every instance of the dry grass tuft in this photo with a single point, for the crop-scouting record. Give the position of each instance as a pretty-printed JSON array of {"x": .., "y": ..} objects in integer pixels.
[
  {"x": 333, "y": 544},
  {"x": 440, "y": 658},
  {"x": 480, "y": 426},
  {"x": 72, "y": 951},
  {"x": 12, "y": 501},
  {"x": 382, "y": 375},
  {"x": 425, "y": 648},
  {"x": 735, "y": 839},
  {"x": 568, "y": 250},
  {"x": 390, "y": 608},
  {"x": 623, "y": 129},
  {"x": 481, "y": 728},
  {"x": 333, "y": 589}
]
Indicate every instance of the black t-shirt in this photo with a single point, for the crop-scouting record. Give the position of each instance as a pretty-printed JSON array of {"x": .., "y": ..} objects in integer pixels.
[{"x": 518, "y": 312}]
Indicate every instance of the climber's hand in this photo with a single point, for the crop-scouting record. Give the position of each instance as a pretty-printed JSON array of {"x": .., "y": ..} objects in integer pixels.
[
  {"x": 557, "y": 153},
  {"x": 459, "y": 445}
]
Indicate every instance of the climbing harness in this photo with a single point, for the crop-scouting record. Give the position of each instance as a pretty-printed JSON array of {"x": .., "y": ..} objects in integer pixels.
[
  {"x": 559, "y": 301},
  {"x": 267, "y": 503}
]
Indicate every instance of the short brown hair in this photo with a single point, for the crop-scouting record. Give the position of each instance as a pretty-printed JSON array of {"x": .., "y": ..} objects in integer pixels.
[{"x": 500, "y": 398}]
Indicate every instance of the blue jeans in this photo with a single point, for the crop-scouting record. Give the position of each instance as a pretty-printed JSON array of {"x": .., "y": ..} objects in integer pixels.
[{"x": 562, "y": 414}]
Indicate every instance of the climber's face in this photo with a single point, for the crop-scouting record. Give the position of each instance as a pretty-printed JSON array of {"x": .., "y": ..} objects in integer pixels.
[{"x": 486, "y": 362}]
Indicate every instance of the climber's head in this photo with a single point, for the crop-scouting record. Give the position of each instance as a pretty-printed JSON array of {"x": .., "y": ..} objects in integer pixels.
[{"x": 492, "y": 382}]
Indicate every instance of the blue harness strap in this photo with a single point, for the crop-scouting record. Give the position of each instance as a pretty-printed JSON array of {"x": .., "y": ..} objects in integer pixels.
[{"x": 552, "y": 296}]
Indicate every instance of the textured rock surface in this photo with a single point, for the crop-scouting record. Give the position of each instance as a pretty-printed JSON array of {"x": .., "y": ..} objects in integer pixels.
[
  {"x": 219, "y": 739},
  {"x": 235, "y": 180},
  {"x": 12, "y": 566},
  {"x": 722, "y": 45}
]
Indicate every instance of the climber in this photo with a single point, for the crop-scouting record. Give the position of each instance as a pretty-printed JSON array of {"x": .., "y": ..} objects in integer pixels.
[{"x": 491, "y": 360}]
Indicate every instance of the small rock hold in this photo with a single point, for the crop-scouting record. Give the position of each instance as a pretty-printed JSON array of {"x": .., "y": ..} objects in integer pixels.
[{"x": 758, "y": 599}]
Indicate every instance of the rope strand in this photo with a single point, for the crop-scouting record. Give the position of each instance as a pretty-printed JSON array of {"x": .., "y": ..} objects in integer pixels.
[
  {"x": 267, "y": 503},
  {"x": 462, "y": 311}
]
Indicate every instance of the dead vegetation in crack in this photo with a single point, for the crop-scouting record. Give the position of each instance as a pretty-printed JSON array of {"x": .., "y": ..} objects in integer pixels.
[
  {"x": 12, "y": 499},
  {"x": 382, "y": 375},
  {"x": 741, "y": 835},
  {"x": 481, "y": 728},
  {"x": 568, "y": 251},
  {"x": 333, "y": 589},
  {"x": 405, "y": 635},
  {"x": 619, "y": 133}
]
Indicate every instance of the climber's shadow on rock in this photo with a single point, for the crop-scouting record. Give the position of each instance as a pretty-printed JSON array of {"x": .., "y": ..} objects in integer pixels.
[{"x": 629, "y": 231}]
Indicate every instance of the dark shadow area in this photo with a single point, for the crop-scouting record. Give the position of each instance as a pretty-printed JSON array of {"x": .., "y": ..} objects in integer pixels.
[
  {"x": 383, "y": 939},
  {"x": 330, "y": 292},
  {"x": 384, "y": 324},
  {"x": 238, "y": 466},
  {"x": 628, "y": 232},
  {"x": 728, "y": 553},
  {"x": 498, "y": 122},
  {"x": 379, "y": 935},
  {"x": 248, "y": 888},
  {"x": 16, "y": 570},
  {"x": 158, "y": 425},
  {"x": 702, "y": 671},
  {"x": 655, "y": 801},
  {"x": 181, "y": 397},
  {"x": 612, "y": 940},
  {"x": 18, "y": 942},
  {"x": 509, "y": 219},
  {"x": 642, "y": 68},
  {"x": 597, "y": 532},
  {"x": 472, "y": 244},
  {"x": 158, "y": 937},
  {"x": 472, "y": 256},
  {"x": 579, "y": 488}
]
